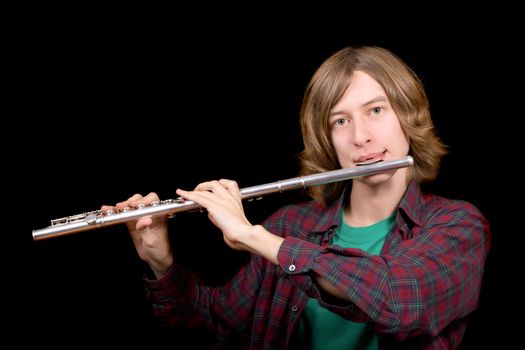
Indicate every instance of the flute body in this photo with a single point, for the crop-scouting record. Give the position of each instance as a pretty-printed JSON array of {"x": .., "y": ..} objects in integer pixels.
[{"x": 98, "y": 219}]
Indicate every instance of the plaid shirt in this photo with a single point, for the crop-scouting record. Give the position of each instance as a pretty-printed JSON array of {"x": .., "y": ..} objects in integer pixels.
[{"x": 417, "y": 293}]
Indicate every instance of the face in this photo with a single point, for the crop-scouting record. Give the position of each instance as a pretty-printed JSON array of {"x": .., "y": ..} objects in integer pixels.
[{"x": 364, "y": 127}]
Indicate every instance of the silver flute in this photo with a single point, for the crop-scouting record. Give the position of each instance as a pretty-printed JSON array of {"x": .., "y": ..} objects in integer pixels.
[{"x": 97, "y": 218}]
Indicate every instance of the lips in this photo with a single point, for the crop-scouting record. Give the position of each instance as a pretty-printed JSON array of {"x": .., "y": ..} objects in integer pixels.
[{"x": 370, "y": 158}]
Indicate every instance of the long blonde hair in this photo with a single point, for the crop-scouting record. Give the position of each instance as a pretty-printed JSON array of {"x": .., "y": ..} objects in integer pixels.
[{"x": 405, "y": 93}]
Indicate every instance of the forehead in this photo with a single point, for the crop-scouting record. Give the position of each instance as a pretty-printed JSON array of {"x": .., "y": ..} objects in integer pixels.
[
  {"x": 362, "y": 90},
  {"x": 362, "y": 83}
]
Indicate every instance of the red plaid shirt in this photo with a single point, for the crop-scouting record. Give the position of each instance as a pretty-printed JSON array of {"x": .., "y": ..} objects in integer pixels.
[{"x": 417, "y": 293}]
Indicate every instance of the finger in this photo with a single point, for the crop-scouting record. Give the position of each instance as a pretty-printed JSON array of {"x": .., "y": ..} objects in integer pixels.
[
  {"x": 120, "y": 205},
  {"x": 232, "y": 187},
  {"x": 150, "y": 199},
  {"x": 126, "y": 204},
  {"x": 197, "y": 196},
  {"x": 206, "y": 186},
  {"x": 212, "y": 188},
  {"x": 143, "y": 222},
  {"x": 106, "y": 208},
  {"x": 205, "y": 199}
]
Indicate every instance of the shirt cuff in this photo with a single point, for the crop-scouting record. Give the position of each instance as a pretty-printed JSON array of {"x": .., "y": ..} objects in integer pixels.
[
  {"x": 295, "y": 260},
  {"x": 296, "y": 256},
  {"x": 171, "y": 286}
]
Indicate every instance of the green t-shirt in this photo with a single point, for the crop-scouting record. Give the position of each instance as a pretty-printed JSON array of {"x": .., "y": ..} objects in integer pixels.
[{"x": 323, "y": 329}]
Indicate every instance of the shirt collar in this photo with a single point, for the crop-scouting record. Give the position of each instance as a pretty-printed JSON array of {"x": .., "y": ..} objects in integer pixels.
[
  {"x": 332, "y": 214},
  {"x": 410, "y": 204}
]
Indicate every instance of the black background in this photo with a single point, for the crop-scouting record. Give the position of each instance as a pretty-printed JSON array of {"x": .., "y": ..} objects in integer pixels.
[{"x": 125, "y": 102}]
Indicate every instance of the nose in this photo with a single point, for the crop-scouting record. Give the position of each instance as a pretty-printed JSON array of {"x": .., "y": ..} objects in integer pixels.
[{"x": 361, "y": 132}]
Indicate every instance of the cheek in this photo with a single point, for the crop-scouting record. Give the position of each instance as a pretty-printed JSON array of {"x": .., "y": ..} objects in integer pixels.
[
  {"x": 340, "y": 144},
  {"x": 403, "y": 142},
  {"x": 397, "y": 135},
  {"x": 407, "y": 144},
  {"x": 335, "y": 138},
  {"x": 402, "y": 148}
]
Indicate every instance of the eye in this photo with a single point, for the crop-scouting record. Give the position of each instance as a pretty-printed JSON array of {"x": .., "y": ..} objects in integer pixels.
[
  {"x": 376, "y": 110},
  {"x": 340, "y": 122}
]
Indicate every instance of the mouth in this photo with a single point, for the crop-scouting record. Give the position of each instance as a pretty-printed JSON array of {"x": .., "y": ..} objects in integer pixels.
[
  {"x": 369, "y": 162},
  {"x": 370, "y": 158}
]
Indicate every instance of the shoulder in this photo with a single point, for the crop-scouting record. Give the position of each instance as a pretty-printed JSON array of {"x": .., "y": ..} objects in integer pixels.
[
  {"x": 455, "y": 214},
  {"x": 439, "y": 205},
  {"x": 427, "y": 209},
  {"x": 422, "y": 204}
]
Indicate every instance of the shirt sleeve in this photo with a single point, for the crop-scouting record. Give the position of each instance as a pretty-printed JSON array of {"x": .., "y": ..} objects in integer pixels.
[
  {"x": 181, "y": 299},
  {"x": 174, "y": 298},
  {"x": 417, "y": 287}
]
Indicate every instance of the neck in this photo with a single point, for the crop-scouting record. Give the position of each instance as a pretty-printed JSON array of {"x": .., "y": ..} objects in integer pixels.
[{"x": 370, "y": 202}]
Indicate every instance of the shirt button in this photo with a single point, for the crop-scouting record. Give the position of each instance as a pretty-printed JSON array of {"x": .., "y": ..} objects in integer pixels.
[
  {"x": 291, "y": 268},
  {"x": 295, "y": 308}
]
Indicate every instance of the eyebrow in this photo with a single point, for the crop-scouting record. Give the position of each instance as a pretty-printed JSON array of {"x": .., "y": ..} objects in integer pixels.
[{"x": 366, "y": 104}]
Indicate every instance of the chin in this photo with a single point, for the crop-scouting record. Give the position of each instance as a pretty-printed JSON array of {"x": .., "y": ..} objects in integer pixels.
[{"x": 377, "y": 179}]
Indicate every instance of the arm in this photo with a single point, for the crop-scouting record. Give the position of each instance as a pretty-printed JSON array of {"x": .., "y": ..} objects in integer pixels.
[
  {"x": 418, "y": 286},
  {"x": 178, "y": 296}
]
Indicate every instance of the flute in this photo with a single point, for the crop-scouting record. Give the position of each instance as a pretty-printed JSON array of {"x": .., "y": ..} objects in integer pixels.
[{"x": 97, "y": 218}]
